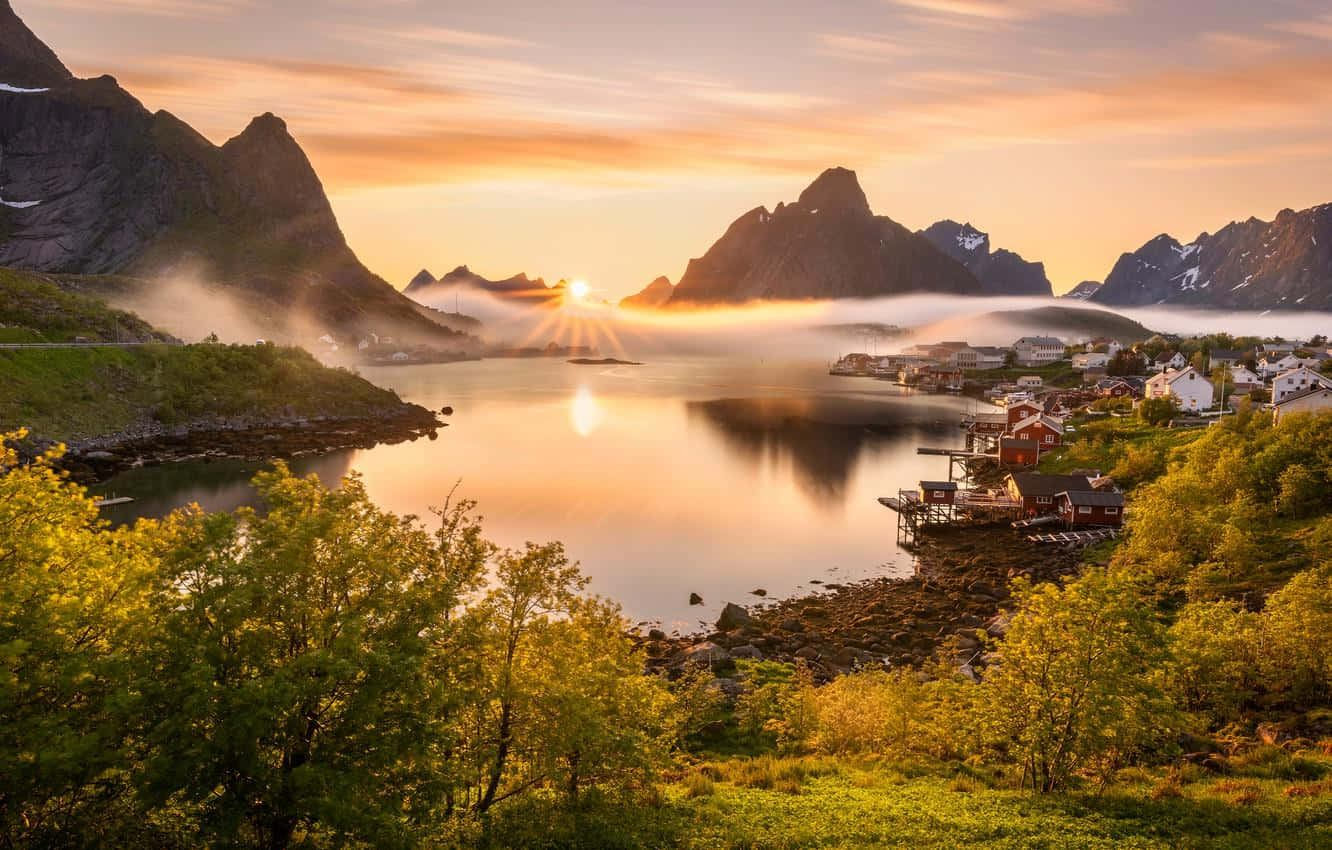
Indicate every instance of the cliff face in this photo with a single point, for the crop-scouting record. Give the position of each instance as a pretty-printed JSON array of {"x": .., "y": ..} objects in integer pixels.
[
  {"x": 999, "y": 272},
  {"x": 93, "y": 183},
  {"x": 655, "y": 294},
  {"x": 1247, "y": 265},
  {"x": 828, "y": 244}
]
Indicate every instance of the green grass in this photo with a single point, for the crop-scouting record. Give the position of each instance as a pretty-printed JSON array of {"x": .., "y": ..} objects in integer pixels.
[
  {"x": 824, "y": 803},
  {"x": 34, "y": 309},
  {"x": 79, "y": 393}
]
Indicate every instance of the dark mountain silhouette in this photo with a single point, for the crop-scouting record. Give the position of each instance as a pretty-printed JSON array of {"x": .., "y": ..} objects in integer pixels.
[
  {"x": 1084, "y": 290},
  {"x": 999, "y": 272},
  {"x": 519, "y": 289},
  {"x": 828, "y": 244},
  {"x": 1246, "y": 265},
  {"x": 655, "y": 294},
  {"x": 92, "y": 183}
]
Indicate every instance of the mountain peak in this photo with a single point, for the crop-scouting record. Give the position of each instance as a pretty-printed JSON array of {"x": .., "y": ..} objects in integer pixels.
[
  {"x": 835, "y": 189},
  {"x": 423, "y": 278},
  {"x": 24, "y": 60}
]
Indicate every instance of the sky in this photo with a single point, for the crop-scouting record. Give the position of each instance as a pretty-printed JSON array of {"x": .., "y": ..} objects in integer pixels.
[{"x": 612, "y": 141}]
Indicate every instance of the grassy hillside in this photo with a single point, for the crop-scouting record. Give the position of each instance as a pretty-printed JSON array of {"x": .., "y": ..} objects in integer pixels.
[
  {"x": 1077, "y": 321},
  {"x": 74, "y": 393},
  {"x": 34, "y": 309}
]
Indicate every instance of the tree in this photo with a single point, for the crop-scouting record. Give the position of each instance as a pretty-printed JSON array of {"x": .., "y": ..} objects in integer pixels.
[
  {"x": 1295, "y": 625},
  {"x": 1076, "y": 684},
  {"x": 1301, "y": 491},
  {"x": 1158, "y": 411},
  {"x": 300, "y": 676},
  {"x": 71, "y": 594},
  {"x": 1010, "y": 358}
]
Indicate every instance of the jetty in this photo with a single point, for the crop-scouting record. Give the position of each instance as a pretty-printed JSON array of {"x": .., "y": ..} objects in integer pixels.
[
  {"x": 939, "y": 503},
  {"x": 1093, "y": 535}
]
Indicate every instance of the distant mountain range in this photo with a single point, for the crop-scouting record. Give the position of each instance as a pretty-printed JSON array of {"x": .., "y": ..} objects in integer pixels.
[
  {"x": 828, "y": 244},
  {"x": 1246, "y": 265},
  {"x": 93, "y": 183},
  {"x": 521, "y": 289},
  {"x": 999, "y": 272}
]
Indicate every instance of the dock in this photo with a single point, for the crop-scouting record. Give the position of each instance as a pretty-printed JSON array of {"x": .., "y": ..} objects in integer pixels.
[
  {"x": 974, "y": 506},
  {"x": 958, "y": 460},
  {"x": 1090, "y": 536}
]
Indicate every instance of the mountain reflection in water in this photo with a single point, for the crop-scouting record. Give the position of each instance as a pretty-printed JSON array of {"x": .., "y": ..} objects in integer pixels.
[{"x": 715, "y": 475}]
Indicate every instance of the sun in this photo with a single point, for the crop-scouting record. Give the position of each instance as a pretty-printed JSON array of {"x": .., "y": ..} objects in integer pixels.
[{"x": 580, "y": 289}]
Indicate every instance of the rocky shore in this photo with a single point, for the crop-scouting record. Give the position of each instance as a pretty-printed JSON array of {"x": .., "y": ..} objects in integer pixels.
[
  {"x": 97, "y": 459},
  {"x": 961, "y": 585}
]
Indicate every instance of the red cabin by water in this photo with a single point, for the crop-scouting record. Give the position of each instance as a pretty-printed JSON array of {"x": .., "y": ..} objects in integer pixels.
[{"x": 1081, "y": 508}]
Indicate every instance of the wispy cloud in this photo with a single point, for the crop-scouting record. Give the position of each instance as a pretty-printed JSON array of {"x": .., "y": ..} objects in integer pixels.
[
  {"x": 1005, "y": 10},
  {"x": 168, "y": 8},
  {"x": 1319, "y": 27},
  {"x": 860, "y": 48}
]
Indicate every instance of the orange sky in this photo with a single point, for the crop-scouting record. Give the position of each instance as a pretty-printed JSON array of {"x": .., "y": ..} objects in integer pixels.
[{"x": 614, "y": 141}]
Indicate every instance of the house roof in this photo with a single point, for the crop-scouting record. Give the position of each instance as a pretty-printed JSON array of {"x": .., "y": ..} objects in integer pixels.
[
  {"x": 1166, "y": 358},
  {"x": 1039, "y": 340},
  {"x": 938, "y": 485},
  {"x": 1316, "y": 388},
  {"x": 1038, "y": 418},
  {"x": 1096, "y": 499},
  {"x": 1015, "y": 443},
  {"x": 1036, "y": 484},
  {"x": 1226, "y": 354}
]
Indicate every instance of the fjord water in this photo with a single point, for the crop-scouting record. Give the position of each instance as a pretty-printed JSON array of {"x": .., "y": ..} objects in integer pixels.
[{"x": 714, "y": 475}]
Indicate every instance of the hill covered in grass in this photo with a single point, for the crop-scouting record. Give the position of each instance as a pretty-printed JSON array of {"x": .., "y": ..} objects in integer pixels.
[{"x": 86, "y": 392}]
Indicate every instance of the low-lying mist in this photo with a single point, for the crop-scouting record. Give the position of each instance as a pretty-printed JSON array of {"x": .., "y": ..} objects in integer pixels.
[{"x": 827, "y": 329}]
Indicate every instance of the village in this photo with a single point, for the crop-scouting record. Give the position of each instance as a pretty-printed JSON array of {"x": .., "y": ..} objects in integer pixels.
[{"x": 1170, "y": 383}]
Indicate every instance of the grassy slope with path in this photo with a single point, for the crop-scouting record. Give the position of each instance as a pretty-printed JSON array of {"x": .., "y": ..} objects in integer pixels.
[{"x": 79, "y": 393}]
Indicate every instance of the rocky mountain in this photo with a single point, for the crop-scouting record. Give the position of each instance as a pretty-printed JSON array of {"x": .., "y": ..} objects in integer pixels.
[
  {"x": 93, "y": 183},
  {"x": 1083, "y": 291},
  {"x": 999, "y": 272},
  {"x": 1246, "y": 265},
  {"x": 521, "y": 289},
  {"x": 655, "y": 294},
  {"x": 828, "y": 244}
]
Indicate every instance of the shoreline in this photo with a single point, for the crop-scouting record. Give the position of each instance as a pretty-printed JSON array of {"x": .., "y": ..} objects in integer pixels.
[
  {"x": 960, "y": 585},
  {"x": 97, "y": 459}
]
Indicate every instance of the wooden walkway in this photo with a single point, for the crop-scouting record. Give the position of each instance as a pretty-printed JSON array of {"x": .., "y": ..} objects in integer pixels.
[{"x": 1091, "y": 536}]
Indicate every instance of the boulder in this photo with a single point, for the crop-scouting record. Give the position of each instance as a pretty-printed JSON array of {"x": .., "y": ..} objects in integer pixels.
[
  {"x": 747, "y": 651},
  {"x": 695, "y": 599},
  {"x": 808, "y": 653},
  {"x": 706, "y": 652},
  {"x": 733, "y": 617},
  {"x": 791, "y": 624},
  {"x": 656, "y": 634}
]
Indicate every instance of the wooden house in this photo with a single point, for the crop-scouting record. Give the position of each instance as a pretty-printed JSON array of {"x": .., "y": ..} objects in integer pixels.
[
  {"x": 1090, "y": 508},
  {"x": 1023, "y": 410},
  {"x": 938, "y": 492},
  {"x": 1045, "y": 430},
  {"x": 1015, "y": 452},
  {"x": 1037, "y": 492}
]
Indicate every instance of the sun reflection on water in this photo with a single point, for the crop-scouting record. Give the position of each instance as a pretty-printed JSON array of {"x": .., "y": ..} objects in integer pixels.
[{"x": 585, "y": 412}]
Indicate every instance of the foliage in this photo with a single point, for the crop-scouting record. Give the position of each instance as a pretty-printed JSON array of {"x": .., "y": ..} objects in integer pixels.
[
  {"x": 1076, "y": 686},
  {"x": 1158, "y": 411},
  {"x": 35, "y": 304}
]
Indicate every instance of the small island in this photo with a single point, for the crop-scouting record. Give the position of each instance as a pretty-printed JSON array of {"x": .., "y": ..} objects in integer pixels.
[{"x": 605, "y": 361}]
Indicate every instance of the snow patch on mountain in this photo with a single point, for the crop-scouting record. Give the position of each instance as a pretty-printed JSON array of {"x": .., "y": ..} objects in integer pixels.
[
  {"x": 970, "y": 240},
  {"x": 18, "y": 205},
  {"x": 6, "y": 87}
]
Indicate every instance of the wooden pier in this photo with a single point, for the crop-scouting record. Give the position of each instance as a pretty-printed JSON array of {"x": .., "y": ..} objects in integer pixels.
[
  {"x": 958, "y": 460},
  {"x": 1093, "y": 535},
  {"x": 965, "y": 507}
]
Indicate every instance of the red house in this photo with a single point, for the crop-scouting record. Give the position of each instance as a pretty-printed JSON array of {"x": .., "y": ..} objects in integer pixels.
[
  {"x": 992, "y": 424},
  {"x": 1037, "y": 492},
  {"x": 1015, "y": 452},
  {"x": 1023, "y": 410},
  {"x": 1081, "y": 508},
  {"x": 1045, "y": 430},
  {"x": 938, "y": 492}
]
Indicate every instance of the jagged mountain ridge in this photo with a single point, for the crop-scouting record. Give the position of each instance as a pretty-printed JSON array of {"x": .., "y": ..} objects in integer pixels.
[
  {"x": 1083, "y": 291},
  {"x": 519, "y": 288},
  {"x": 94, "y": 183},
  {"x": 1000, "y": 272},
  {"x": 1246, "y": 265},
  {"x": 828, "y": 244},
  {"x": 655, "y": 294}
]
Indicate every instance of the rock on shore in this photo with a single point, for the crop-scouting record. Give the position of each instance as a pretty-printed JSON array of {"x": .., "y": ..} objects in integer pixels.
[{"x": 961, "y": 588}]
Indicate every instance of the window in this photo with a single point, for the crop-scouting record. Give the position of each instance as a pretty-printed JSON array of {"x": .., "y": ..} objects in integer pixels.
[
  {"x": 1083, "y": 509},
  {"x": 1049, "y": 438},
  {"x": 940, "y": 494},
  {"x": 1042, "y": 500},
  {"x": 1112, "y": 511}
]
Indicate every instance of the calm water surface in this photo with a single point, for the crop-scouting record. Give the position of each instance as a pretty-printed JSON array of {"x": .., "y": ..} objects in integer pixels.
[{"x": 708, "y": 475}]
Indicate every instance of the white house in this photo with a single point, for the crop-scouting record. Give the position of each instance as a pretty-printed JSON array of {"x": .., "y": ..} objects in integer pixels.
[
  {"x": 1169, "y": 361},
  {"x": 1312, "y": 400},
  {"x": 1242, "y": 380},
  {"x": 1038, "y": 350},
  {"x": 1295, "y": 381},
  {"x": 1190, "y": 390},
  {"x": 1090, "y": 360},
  {"x": 1030, "y": 382}
]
